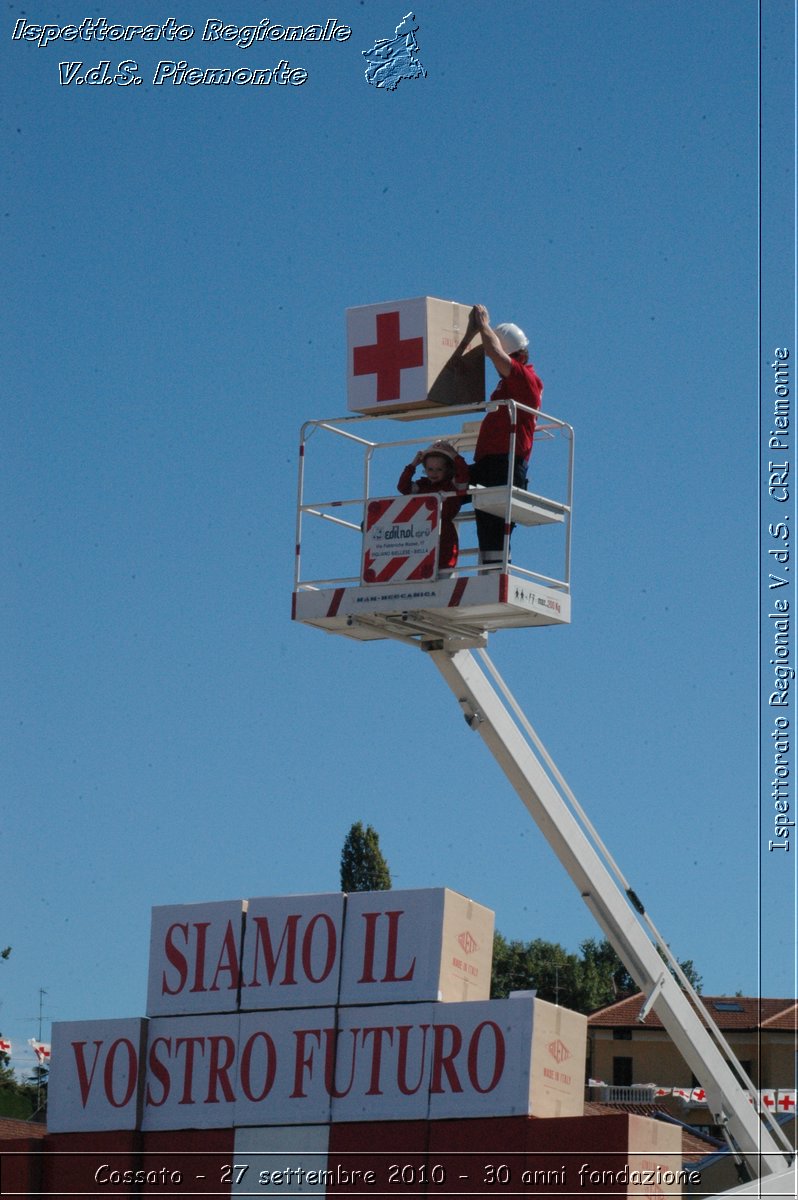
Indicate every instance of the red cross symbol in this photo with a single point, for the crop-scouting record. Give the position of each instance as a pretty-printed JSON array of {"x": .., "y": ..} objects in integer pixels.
[
  {"x": 388, "y": 357},
  {"x": 787, "y": 1101},
  {"x": 768, "y": 1101}
]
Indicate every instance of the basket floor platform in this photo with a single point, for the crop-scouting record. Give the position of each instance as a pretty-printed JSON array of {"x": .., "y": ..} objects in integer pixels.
[{"x": 465, "y": 606}]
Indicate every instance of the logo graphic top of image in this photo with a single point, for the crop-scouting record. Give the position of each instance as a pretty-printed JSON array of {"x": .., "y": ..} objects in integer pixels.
[{"x": 390, "y": 60}]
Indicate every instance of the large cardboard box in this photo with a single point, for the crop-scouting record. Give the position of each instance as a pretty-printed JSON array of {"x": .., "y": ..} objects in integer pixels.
[
  {"x": 195, "y": 957},
  {"x": 619, "y": 1155},
  {"x": 559, "y": 1056},
  {"x": 96, "y": 1077},
  {"x": 421, "y": 944},
  {"x": 520, "y": 1057},
  {"x": 192, "y": 1070},
  {"x": 292, "y": 951},
  {"x": 399, "y": 356},
  {"x": 313, "y": 1066}
]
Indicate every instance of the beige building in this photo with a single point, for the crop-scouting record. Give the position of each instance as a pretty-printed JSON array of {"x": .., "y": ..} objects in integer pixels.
[{"x": 761, "y": 1033}]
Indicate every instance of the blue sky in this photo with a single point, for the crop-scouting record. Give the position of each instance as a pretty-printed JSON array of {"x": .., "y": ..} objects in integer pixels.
[{"x": 180, "y": 261}]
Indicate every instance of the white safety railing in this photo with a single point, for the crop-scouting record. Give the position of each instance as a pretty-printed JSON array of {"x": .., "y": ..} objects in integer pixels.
[
  {"x": 353, "y": 467},
  {"x": 627, "y": 1095}
]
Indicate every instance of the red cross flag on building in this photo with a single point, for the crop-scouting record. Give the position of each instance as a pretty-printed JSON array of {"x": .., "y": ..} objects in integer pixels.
[
  {"x": 786, "y": 1102},
  {"x": 41, "y": 1050},
  {"x": 399, "y": 356}
]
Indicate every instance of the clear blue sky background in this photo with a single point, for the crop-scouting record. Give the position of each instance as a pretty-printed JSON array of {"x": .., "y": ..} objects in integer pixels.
[{"x": 180, "y": 263}]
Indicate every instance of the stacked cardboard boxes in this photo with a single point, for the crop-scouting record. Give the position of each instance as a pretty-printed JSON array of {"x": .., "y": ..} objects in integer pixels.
[{"x": 330, "y": 1045}]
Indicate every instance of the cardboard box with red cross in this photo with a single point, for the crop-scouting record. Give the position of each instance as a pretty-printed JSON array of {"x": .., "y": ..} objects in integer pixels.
[{"x": 401, "y": 356}]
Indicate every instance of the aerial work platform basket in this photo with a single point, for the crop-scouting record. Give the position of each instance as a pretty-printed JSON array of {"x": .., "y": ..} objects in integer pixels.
[{"x": 363, "y": 565}]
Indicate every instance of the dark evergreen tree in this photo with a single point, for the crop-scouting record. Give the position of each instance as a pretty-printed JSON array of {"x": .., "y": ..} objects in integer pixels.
[{"x": 363, "y": 866}]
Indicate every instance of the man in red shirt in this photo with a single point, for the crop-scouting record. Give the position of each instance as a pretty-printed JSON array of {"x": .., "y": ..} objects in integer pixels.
[{"x": 506, "y": 347}]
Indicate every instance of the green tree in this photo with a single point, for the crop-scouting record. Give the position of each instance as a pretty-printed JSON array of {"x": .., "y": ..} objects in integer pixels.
[
  {"x": 688, "y": 966},
  {"x": 545, "y": 966},
  {"x": 605, "y": 978},
  {"x": 585, "y": 982},
  {"x": 18, "y": 1099},
  {"x": 363, "y": 866}
]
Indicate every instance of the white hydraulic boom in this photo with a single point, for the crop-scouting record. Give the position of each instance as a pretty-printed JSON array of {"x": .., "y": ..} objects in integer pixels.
[{"x": 512, "y": 741}]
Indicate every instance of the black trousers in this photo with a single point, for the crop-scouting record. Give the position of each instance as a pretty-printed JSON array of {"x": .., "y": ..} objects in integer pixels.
[{"x": 492, "y": 471}]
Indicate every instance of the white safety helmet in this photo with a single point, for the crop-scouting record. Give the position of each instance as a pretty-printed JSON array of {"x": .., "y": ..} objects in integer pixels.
[
  {"x": 443, "y": 449},
  {"x": 511, "y": 337}
]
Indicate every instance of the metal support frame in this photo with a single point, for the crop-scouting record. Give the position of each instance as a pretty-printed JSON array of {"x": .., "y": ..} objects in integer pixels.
[
  {"x": 649, "y": 1004},
  {"x": 352, "y": 430},
  {"x": 615, "y": 906}
]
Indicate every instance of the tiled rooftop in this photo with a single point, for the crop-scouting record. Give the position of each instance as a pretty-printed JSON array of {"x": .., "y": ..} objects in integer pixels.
[{"x": 728, "y": 1012}]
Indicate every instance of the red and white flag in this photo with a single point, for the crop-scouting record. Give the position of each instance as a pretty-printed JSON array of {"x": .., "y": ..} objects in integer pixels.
[
  {"x": 5, "y": 1046},
  {"x": 41, "y": 1050}
]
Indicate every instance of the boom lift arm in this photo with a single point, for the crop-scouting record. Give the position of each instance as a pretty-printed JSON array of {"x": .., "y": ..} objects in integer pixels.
[{"x": 619, "y": 912}]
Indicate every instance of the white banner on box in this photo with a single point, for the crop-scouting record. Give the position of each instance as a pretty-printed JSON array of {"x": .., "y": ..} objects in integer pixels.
[
  {"x": 286, "y": 1060},
  {"x": 391, "y": 947},
  {"x": 482, "y": 1059},
  {"x": 383, "y": 1063},
  {"x": 304, "y": 1067},
  {"x": 414, "y": 945},
  {"x": 400, "y": 538},
  {"x": 312, "y": 1066},
  {"x": 292, "y": 951},
  {"x": 191, "y": 1078},
  {"x": 95, "y": 1079},
  {"x": 195, "y": 957},
  {"x": 423, "y": 944}
]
